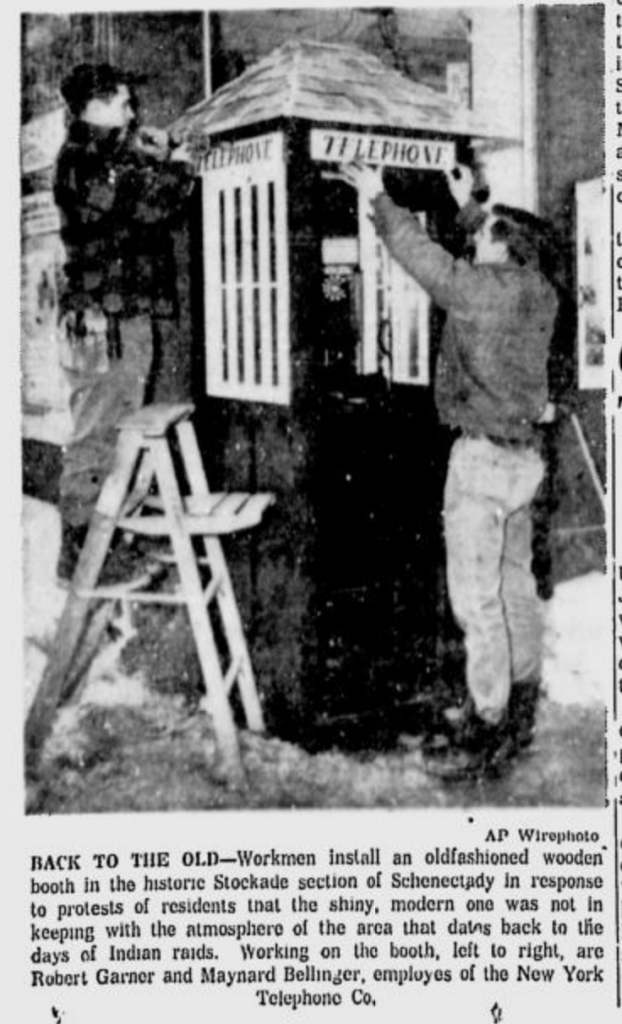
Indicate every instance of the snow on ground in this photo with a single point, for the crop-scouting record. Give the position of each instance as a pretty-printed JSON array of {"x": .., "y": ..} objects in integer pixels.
[
  {"x": 577, "y": 627},
  {"x": 577, "y": 641},
  {"x": 43, "y": 604},
  {"x": 43, "y": 599}
]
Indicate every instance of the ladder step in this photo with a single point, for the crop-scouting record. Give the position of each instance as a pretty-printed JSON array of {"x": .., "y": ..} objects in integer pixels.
[
  {"x": 130, "y": 592},
  {"x": 154, "y": 420},
  {"x": 118, "y": 591},
  {"x": 219, "y": 504},
  {"x": 228, "y": 682},
  {"x": 154, "y": 501},
  {"x": 149, "y": 526},
  {"x": 228, "y": 504},
  {"x": 121, "y": 593},
  {"x": 168, "y": 558},
  {"x": 212, "y": 589},
  {"x": 212, "y": 515},
  {"x": 232, "y": 673}
]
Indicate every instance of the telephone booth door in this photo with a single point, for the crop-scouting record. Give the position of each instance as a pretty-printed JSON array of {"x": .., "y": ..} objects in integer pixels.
[
  {"x": 375, "y": 316},
  {"x": 247, "y": 271},
  {"x": 396, "y": 315},
  {"x": 382, "y": 468}
]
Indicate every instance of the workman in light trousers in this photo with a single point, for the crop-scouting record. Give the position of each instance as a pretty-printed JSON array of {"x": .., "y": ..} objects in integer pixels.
[{"x": 491, "y": 387}]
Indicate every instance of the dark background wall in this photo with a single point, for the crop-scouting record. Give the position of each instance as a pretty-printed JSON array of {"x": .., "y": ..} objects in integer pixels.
[
  {"x": 570, "y": 106},
  {"x": 570, "y": 103}
]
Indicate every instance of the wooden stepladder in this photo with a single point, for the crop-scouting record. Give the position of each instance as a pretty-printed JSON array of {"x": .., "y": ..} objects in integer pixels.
[{"x": 142, "y": 495}]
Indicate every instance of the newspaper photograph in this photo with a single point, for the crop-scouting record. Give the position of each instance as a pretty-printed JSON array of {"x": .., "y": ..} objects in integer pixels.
[{"x": 314, "y": 379}]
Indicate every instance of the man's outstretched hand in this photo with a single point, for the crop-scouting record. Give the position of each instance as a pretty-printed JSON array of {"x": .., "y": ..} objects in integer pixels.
[
  {"x": 366, "y": 180},
  {"x": 460, "y": 181}
]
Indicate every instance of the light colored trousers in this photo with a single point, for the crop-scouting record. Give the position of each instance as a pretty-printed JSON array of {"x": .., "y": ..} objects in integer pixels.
[
  {"x": 492, "y": 590},
  {"x": 101, "y": 392}
]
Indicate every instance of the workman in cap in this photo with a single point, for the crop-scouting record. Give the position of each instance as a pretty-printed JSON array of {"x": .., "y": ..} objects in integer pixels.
[
  {"x": 491, "y": 388},
  {"x": 120, "y": 188}
]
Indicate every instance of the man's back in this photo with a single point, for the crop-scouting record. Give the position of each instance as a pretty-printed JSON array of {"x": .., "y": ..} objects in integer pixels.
[
  {"x": 117, "y": 206},
  {"x": 491, "y": 373}
]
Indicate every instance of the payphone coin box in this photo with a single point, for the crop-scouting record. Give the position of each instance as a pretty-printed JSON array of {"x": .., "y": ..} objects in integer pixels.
[{"x": 304, "y": 308}]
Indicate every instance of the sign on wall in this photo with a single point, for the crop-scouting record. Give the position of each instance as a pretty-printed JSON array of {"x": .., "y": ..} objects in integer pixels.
[
  {"x": 591, "y": 282},
  {"x": 41, "y": 139},
  {"x": 417, "y": 154},
  {"x": 40, "y": 215},
  {"x": 238, "y": 156},
  {"x": 44, "y": 395},
  {"x": 44, "y": 399}
]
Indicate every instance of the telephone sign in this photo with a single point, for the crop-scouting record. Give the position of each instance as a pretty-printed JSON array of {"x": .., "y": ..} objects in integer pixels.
[{"x": 386, "y": 150}]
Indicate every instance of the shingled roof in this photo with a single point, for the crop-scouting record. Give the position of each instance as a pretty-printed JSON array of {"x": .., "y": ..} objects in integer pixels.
[{"x": 331, "y": 84}]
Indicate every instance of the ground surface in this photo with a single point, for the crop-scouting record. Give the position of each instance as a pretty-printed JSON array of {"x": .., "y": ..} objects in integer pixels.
[{"x": 129, "y": 746}]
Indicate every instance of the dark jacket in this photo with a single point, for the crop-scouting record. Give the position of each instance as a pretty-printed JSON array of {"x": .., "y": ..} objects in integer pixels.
[
  {"x": 491, "y": 374},
  {"x": 117, "y": 207}
]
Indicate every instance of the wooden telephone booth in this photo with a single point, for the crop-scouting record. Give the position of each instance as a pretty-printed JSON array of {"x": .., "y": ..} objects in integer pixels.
[{"x": 318, "y": 360}]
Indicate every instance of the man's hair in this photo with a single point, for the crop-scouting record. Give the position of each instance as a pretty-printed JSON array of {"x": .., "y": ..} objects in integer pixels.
[
  {"x": 527, "y": 237},
  {"x": 94, "y": 81}
]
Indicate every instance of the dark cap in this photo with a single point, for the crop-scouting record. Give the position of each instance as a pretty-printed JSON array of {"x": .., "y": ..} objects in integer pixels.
[
  {"x": 528, "y": 237},
  {"x": 90, "y": 81}
]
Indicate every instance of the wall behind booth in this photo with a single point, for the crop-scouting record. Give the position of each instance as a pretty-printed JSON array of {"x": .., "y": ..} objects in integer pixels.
[{"x": 570, "y": 127}]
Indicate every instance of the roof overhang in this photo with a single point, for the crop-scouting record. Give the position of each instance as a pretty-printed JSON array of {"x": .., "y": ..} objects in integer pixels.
[{"x": 330, "y": 85}]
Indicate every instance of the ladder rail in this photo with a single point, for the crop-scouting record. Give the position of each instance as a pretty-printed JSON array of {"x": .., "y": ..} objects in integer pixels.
[{"x": 203, "y": 635}]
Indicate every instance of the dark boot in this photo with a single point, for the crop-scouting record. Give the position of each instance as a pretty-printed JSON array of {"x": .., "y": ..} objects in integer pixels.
[
  {"x": 455, "y": 716},
  {"x": 522, "y": 708},
  {"x": 477, "y": 748}
]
